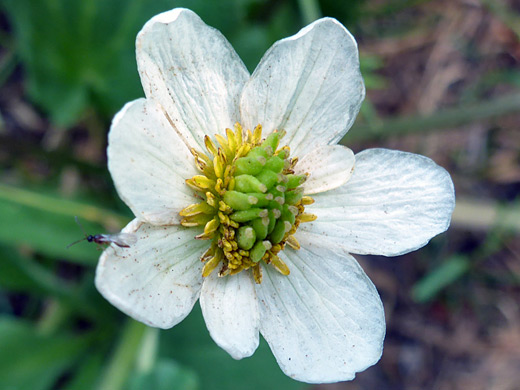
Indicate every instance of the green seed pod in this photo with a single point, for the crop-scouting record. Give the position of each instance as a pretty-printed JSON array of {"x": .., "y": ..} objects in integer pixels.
[
  {"x": 294, "y": 181},
  {"x": 258, "y": 152},
  {"x": 261, "y": 200},
  {"x": 287, "y": 215},
  {"x": 248, "y": 215},
  {"x": 288, "y": 226},
  {"x": 293, "y": 209},
  {"x": 275, "y": 192},
  {"x": 267, "y": 177},
  {"x": 283, "y": 154},
  {"x": 248, "y": 183},
  {"x": 259, "y": 250},
  {"x": 276, "y": 204},
  {"x": 272, "y": 221},
  {"x": 260, "y": 226},
  {"x": 249, "y": 165},
  {"x": 239, "y": 200},
  {"x": 278, "y": 232},
  {"x": 272, "y": 141},
  {"x": 278, "y": 199},
  {"x": 294, "y": 196},
  {"x": 275, "y": 164},
  {"x": 246, "y": 237}
]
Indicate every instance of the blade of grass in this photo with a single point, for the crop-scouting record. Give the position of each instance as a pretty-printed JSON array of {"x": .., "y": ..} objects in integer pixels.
[
  {"x": 442, "y": 276},
  {"x": 61, "y": 206}
]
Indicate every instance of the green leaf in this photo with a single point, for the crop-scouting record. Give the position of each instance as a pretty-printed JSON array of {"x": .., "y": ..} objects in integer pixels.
[
  {"x": 189, "y": 343},
  {"x": 78, "y": 54},
  {"x": 32, "y": 361},
  {"x": 81, "y": 54},
  {"x": 165, "y": 375},
  {"x": 441, "y": 277}
]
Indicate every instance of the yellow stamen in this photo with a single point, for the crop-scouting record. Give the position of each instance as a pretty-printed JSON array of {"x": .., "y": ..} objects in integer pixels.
[
  {"x": 210, "y": 146},
  {"x": 203, "y": 181},
  {"x": 211, "y": 199},
  {"x": 257, "y": 134},
  {"x": 196, "y": 220},
  {"x": 231, "y": 140},
  {"x": 197, "y": 208},
  {"x": 257, "y": 274},
  {"x": 306, "y": 217},
  {"x": 280, "y": 266},
  {"x": 293, "y": 242},
  {"x": 239, "y": 133},
  {"x": 211, "y": 226},
  {"x": 211, "y": 264},
  {"x": 201, "y": 164},
  {"x": 200, "y": 155},
  {"x": 218, "y": 166},
  {"x": 190, "y": 183},
  {"x": 210, "y": 252},
  {"x": 307, "y": 200}
]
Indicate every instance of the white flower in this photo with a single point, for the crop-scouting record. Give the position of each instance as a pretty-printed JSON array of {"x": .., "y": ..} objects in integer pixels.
[{"x": 324, "y": 321}]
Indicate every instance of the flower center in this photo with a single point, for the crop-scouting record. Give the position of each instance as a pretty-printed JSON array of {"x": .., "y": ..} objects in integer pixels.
[{"x": 252, "y": 202}]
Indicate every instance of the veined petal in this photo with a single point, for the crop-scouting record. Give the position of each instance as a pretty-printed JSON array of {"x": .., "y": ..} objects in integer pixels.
[
  {"x": 149, "y": 163},
  {"x": 325, "y": 321},
  {"x": 394, "y": 203},
  {"x": 308, "y": 85},
  {"x": 193, "y": 72},
  {"x": 328, "y": 166},
  {"x": 230, "y": 309},
  {"x": 158, "y": 279}
]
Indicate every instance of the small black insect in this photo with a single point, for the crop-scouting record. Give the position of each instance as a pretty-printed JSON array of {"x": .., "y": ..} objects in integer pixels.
[{"x": 123, "y": 240}]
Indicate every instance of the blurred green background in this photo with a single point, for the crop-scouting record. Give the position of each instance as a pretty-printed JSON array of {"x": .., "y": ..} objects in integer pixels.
[{"x": 443, "y": 80}]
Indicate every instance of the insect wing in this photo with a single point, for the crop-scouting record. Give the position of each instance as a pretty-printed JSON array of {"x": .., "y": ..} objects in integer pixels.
[{"x": 123, "y": 240}]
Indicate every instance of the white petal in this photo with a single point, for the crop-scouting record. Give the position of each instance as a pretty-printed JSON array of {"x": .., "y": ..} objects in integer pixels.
[
  {"x": 158, "y": 279},
  {"x": 230, "y": 310},
  {"x": 309, "y": 85},
  {"x": 329, "y": 166},
  {"x": 325, "y": 321},
  {"x": 149, "y": 163},
  {"x": 192, "y": 71},
  {"x": 394, "y": 203}
]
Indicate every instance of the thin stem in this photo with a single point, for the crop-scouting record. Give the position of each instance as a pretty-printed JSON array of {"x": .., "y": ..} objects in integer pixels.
[
  {"x": 478, "y": 214},
  {"x": 310, "y": 10},
  {"x": 124, "y": 357},
  {"x": 443, "y": 119},
  {"x": 148, "y": 353}
]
